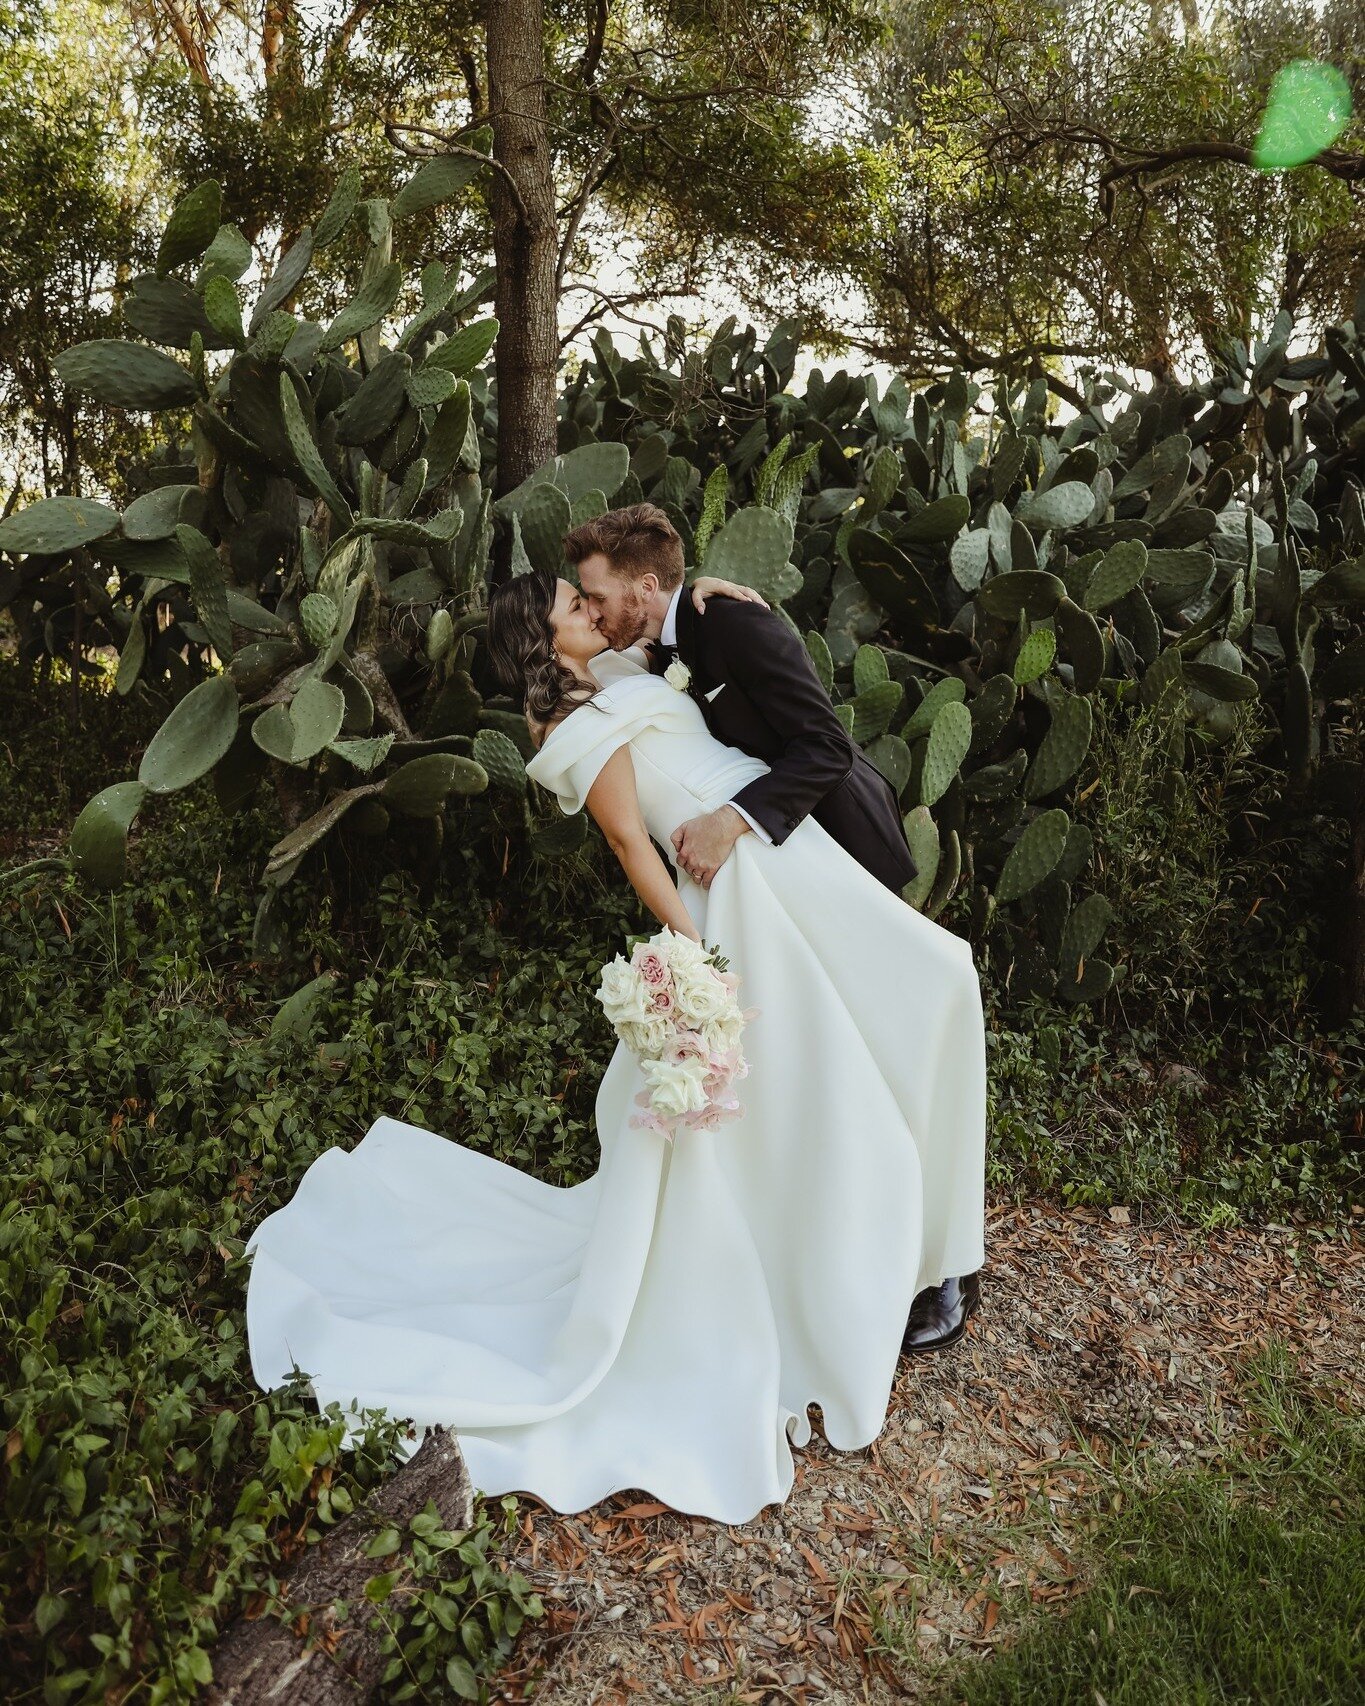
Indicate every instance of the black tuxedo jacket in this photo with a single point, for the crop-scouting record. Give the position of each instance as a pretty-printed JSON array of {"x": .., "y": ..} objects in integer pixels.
[{"x": 774, "y": 707}]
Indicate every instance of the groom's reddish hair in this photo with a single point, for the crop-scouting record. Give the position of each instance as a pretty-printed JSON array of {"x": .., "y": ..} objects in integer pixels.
[{"x": 637, "y": 540}]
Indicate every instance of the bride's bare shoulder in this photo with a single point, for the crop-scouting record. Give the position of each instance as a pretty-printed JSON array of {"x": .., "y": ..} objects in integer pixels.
[{"x": 540, "y": 730}]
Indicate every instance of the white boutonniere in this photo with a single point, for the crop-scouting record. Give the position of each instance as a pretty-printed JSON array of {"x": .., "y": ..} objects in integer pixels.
[{"x": 678, "y": 675}]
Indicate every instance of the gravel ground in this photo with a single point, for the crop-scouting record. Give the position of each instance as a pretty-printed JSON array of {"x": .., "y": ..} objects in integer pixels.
[{"x": 1094, "y": 1330}]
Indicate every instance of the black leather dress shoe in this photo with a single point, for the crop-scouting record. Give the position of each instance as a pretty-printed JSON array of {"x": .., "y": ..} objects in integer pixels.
[{"x": 939, "y": 1315}]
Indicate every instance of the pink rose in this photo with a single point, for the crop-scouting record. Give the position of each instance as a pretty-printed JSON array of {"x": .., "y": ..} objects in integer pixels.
[
  {"x": 726, "y": 1066},
  {"x": 650, "y": 1121},
  {"x": 684, "y": 1046},
  {"x": 662, "y": 1000},
  {"x": 651, "y": 967}
]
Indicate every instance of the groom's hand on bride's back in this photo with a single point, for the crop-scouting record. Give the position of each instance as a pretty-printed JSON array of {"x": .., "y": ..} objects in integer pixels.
[{"x": 707, "y": 586}]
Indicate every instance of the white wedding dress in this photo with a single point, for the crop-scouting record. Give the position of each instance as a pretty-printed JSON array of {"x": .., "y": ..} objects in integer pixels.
[{"x": 664, "y": 1324}]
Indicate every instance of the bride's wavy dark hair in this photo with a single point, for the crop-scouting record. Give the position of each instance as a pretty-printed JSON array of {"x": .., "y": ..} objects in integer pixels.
[{"x": 521, "y": 647}]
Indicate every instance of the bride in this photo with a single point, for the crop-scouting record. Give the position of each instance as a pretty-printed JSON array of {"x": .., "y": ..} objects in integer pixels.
[{"x": 664, "y": 1324}]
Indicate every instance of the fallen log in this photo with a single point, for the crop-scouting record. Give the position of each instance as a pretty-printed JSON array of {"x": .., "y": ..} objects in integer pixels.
[{"x": 310, "y": 1657}]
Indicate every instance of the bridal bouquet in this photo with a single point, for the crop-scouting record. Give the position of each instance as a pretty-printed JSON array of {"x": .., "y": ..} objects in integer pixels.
[{"x": 674, "y": 1005}]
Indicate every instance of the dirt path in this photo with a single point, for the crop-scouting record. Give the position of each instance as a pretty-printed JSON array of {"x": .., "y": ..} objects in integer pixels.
[{"x": 884, "y": 1559}]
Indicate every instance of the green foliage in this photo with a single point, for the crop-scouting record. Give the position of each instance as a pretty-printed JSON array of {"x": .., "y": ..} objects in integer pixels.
[
  {"x": 76, "y": 127},
  {"x": 55, "y": 526},
  {"x": 99, "y": 836},
  {"x": 232, "y": 542},
  {"x": 1138, "y": 558},
  {"x": 155, "y": 1106},
  {"x": 752, "y": 548},
  {"x": 143, "y": 1042},
  {"x": 1050, "y": 196},
  {"x": 126, "y": 376}
]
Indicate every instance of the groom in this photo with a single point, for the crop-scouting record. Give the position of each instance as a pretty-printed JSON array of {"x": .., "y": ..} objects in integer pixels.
[{"x": 757, "y": 689}]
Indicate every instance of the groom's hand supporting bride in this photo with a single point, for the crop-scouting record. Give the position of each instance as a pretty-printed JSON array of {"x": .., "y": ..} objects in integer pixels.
[
  {"x": 769, "y": 662},
  {"x": 704, "y": 843}
]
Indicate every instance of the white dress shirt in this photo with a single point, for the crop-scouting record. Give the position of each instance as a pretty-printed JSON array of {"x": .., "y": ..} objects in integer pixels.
[{"x": 668, "y": 636}]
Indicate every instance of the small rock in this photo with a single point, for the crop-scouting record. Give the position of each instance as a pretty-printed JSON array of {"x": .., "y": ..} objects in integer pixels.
[{"x": 1173, "y": 1076}]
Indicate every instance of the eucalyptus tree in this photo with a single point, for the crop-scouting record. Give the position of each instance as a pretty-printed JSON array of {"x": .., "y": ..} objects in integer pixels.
[
  {"x": 1074, "y": 182},
  {"x": 73, "y": 186},
  {"x": 683, "y": 135}
]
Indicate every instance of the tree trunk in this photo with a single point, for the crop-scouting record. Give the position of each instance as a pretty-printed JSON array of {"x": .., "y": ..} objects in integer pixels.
[
  {"x": 78, "y": 611},
  {"x": 1351, "y": 1001},
  {"x": 525, "y": 239},
  {"x": 327, "y": 1660}
]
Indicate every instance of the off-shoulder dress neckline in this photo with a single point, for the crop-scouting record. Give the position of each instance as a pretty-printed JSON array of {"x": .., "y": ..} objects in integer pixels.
[{"x": 603, "y": 689}]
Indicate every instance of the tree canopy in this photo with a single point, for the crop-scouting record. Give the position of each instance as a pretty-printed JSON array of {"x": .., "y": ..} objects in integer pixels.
[
  {"x": 75, "y": 182},
  {"x": 686, "y": 126},
  {"x": 1074, "y": 182},
  {"x": 1004, "y": 186}
]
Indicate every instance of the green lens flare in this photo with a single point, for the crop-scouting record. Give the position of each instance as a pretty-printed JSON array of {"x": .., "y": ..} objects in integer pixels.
[{"x": 1308, "y": 108}]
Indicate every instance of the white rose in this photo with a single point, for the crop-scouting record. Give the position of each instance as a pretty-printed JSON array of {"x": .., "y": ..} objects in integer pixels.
[
  {"x": 622, "y": 993},
  {"x": 675, "y": 1087},
  {"x": 647, "y": 1036},
  {"x": 701, "y": 996},
  {"x": 684, "y": 955},
  {"x": 724, "y": 1031},
  {"x": 678, "y": 675}
]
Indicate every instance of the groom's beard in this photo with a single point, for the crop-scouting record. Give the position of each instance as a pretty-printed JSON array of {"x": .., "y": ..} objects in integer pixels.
[{"x": 627, "y": 625}]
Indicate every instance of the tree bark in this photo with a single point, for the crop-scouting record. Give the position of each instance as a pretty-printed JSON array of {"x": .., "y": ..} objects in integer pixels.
[
  {"x": 327, "y": 1662},
  {"x": 525, "y": 239},
  {"x": 1351, "y": 1000}
]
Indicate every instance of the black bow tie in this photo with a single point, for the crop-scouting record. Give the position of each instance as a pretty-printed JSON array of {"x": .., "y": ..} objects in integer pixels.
[{"x": 660, "y": 656}]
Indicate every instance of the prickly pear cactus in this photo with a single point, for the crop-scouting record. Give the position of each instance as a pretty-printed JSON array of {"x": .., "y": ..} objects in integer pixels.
[
  {"x": 965, "y": 602},
  {"x": 318, "y": 614},
  {"x": 335, "y": 485},
  {"x": 967, "y": 586}
]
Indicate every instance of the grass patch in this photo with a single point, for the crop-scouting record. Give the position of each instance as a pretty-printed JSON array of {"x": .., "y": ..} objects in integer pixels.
[{"x": 1244, "y": 1582}]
